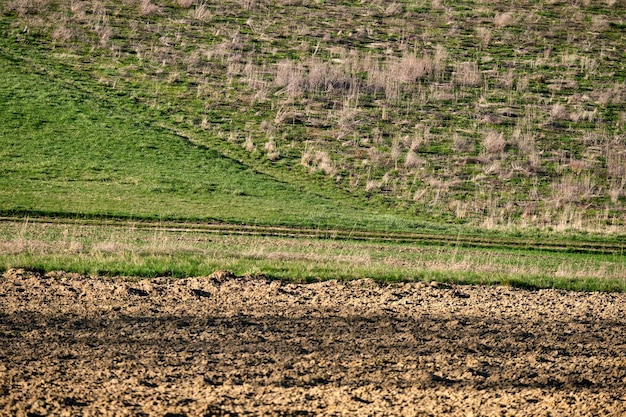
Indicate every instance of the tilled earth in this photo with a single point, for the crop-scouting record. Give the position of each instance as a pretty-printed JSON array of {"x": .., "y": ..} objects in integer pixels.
[{"x": 225, "y": 345}]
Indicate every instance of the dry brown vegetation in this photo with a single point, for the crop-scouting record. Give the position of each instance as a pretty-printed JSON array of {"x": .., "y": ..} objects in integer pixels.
[{"x": 485, "y": 112}]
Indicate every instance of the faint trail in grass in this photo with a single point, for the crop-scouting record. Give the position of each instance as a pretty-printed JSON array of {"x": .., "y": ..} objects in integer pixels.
[{"x": 458, "y": 240}]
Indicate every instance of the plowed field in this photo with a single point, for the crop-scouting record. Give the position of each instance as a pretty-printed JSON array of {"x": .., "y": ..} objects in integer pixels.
[{"x": 243, "y": 346}]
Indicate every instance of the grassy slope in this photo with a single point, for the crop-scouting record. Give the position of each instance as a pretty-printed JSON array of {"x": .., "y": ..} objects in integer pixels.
[
  {"x": 64, "y": 151},
  {"x": 480, "y": 112},
  {"x": 483, "y": 112},
  {"x": 75, "y": 144}
]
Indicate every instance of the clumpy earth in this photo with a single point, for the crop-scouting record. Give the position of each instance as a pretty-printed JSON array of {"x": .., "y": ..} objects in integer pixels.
[{"x": 241, "y": 346}]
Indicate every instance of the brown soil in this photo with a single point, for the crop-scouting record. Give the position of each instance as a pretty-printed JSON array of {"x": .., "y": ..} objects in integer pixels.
[{"x": 224, "y": 345}]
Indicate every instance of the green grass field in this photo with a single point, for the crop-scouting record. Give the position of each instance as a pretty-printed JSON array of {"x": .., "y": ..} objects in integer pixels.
[
  {"x": 67, "y": 153},
  {"x": 506, "y": 132}
]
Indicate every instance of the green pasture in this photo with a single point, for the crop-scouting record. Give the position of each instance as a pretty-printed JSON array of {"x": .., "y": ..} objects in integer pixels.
[{"x": 66, "y": 153}]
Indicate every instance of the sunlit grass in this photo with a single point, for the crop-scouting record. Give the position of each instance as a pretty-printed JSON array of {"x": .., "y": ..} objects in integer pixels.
[{"x": 133, "y": 252}]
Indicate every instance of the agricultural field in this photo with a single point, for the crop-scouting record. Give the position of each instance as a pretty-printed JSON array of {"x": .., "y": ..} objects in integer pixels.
[
  {"x": 249, "y": 346},
  {"x": 312, "y": 207}
]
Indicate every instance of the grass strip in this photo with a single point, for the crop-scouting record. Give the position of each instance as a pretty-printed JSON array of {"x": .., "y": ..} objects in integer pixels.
[
  {"x": 494, "y": 242},
  {"x": 123, "y": 250}
]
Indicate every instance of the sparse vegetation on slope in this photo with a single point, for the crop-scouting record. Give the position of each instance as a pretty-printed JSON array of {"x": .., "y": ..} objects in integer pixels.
[
  {"x": 481, "y": 112},
  {"x": 67, "y": 153}
]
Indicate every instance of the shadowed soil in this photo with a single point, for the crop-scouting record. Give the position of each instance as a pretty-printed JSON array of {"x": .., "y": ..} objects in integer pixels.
[{"x": 225, "y": 345}]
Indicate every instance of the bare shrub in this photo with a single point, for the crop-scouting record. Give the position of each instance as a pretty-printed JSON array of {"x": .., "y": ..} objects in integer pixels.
[
  {"x": 504, "y": 19},
  {"x": 412, "y": 160},
  {"x": 185, "y": 4},
  {"x": 248, "y": 145},
  {"x": 201, "y": 13},
  {"x": 317, "y": 160},
  {"x": 467, "y": 74},
  {"x": 147, "y": 8},
  {"x": 494, "y": 142},
  {"x": 271, "y": 151}
]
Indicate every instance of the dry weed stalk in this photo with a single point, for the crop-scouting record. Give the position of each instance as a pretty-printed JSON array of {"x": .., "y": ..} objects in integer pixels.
[
  {"x": 271, "y": 151},
  {"x": 290, "y": 76},
  {"x": 615, "y": 156},
  {"x": 573, "y": 189},
  {"x": 201, "y": 13},
  {"x": 371, "y": 186},
  {"x": 248, "y": 145},
  {"x": 461, "y": 143},
  {"x": 559, "y": 112},
  {"x": 396, "y": 152},
  {"x": 317, "y": 160},
  {"x": 467, "y": 74},
  {"x": 62, "y": 33},
  {"x": 410, "y": 68},
  {"x": 484, "y": 34},
  {"x": 504, "y": 19},
  {"x": 412, "y": 160},
  {"x": 494, "y": 142},
  {"x": 147, "y": 8}
]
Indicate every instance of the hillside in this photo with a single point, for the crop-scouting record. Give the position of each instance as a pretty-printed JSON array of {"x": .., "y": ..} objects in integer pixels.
[
  {"x": 67, "y": 152},
  {"x": 487, "y": 113}
]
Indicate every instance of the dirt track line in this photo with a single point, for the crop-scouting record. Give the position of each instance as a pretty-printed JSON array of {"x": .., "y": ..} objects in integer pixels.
[{"x": 339, "y": 234}]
